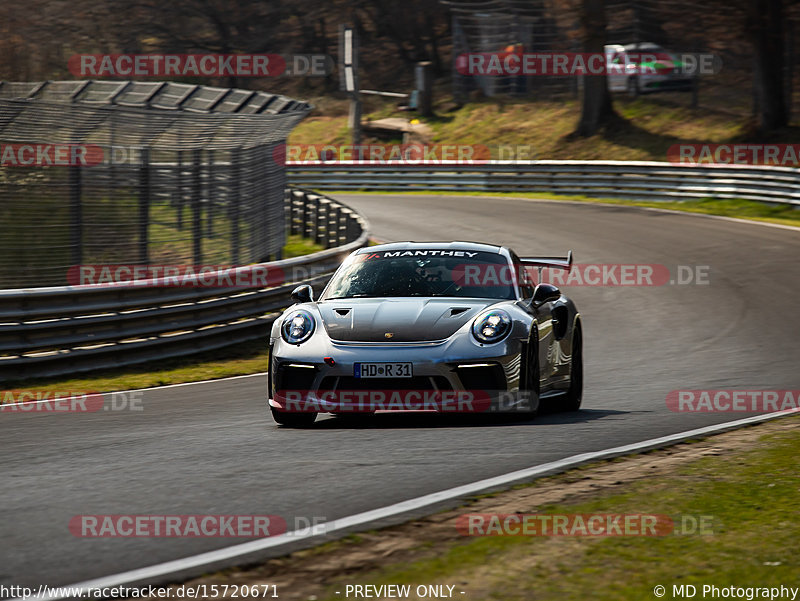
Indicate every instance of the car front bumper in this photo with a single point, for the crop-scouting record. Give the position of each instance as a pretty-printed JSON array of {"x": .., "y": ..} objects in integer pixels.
[{"x": 457, "y": 364}]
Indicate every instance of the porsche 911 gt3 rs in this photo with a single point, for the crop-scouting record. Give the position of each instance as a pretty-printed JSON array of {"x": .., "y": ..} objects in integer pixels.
[{"x": 443, "y": 326}]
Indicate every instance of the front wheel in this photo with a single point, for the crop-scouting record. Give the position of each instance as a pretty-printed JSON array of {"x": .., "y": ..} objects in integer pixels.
[
  {"x": 574, "y": 396},
  {"x": 530, "y": 386},
  {"x": 293, "y": 420}
]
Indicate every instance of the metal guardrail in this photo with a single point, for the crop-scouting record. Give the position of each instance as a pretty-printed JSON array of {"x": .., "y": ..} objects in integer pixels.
[
  {"x": 628, "y": 179},
  {"x": 67, "y": 329}
]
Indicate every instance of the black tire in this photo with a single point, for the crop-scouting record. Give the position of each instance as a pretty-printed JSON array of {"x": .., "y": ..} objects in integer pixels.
[
  {"x": 574, "y": 396},
  {"x": 293, "y": 420},
  {"x": 633, "y": 87},
  {"x": 531, "y": 384}
]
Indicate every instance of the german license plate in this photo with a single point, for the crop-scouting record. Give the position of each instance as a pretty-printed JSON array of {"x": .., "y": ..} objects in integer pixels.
[{"x": 382, "y": 370}]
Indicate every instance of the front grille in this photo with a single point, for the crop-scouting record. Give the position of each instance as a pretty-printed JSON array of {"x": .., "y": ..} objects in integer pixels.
[
  {"x": 414, "y": 383},
  {"x": 489, "y": 377}
]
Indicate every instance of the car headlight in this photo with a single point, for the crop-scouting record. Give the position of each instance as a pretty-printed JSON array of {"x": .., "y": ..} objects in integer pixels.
[
  {"x": 297, "y": 327},
  {"x": 491, "y": 326}
]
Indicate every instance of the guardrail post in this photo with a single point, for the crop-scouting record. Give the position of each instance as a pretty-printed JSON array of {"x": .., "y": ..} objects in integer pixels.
[
  {"x": 293, "y": 211},
  {"x": 298, "y": 208},
  {"x": 351, "y": 230},
  {"x": 342, "y": 229},
  {"x": 328, "y": 224},
  {"x": 197, "y": 223},
  {"x": 144, "y": 205},
  {"x": 305, "y": 229},
  {"x": 76, "y": 214},
  {"x": 318, "y": 221},
  {"x": 336, "y": 216}
]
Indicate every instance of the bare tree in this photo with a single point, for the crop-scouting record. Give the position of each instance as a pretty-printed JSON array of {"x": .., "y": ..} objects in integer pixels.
[
  {"x": 765, "y": 26},
  {"x": 597, "y": 109},
  {"x": 413, "y": 28}
]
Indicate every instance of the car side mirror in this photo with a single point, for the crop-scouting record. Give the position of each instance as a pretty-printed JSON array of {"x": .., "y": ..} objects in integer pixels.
[
  {"x": 544, "y": 293},
  {"x": 303, "y": 294}
]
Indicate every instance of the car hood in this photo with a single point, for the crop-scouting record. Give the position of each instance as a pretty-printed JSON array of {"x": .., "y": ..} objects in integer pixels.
[{"x": 398, "y": 319}]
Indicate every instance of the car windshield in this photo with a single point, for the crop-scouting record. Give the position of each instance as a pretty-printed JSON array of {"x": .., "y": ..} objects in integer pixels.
[{"x": 466, "y": 274}]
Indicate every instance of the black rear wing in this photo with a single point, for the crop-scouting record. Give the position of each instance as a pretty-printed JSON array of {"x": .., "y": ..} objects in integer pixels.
[
  {"x": 551, "y": 262},
  {"x": 556, "y": 262}
]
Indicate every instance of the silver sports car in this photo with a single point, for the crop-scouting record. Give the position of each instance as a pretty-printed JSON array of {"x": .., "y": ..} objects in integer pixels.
[{"x": 437, "y": 326}]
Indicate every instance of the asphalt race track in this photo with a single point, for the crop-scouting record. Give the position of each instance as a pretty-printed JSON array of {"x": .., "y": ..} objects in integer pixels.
[{"x": 213, "y": 449}]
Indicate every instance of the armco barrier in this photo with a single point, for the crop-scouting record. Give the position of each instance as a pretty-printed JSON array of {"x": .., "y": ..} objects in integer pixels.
[
  {"x": 624, "y": 179},
  {"x": 68, "y": 329}
]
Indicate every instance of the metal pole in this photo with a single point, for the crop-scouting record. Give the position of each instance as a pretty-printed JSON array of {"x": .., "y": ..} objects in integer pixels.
[
  {"x": 179, "y": 187},
  {"x": 305, "y": 229},
  {"x": 210, "y": 194},
  {"x": 348, "y": 60},
  {"x": 76, "y": 215},
  {"x": 354, "y": 118},
  {"x": 236, "y": 174},
  {"x": 144, "y": 205},
  {"x": 197, "y": 222},
  {"x": 319, "y": 221},
  {"x": 424, "y": 76}
]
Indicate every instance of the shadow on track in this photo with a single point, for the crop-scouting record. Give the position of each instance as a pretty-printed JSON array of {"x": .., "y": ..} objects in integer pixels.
[{"x": 440, "y": 420}]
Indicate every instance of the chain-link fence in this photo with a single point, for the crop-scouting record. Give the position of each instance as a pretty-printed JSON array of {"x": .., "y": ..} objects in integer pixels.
[
  {"x": 138, "y": 173},
  {"x": 498, "y": 26},
  {"x": 681, "y": 27}
]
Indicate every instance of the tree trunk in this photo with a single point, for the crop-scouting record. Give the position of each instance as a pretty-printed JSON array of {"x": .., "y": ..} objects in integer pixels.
[
  {"x": 597, "y": 108},
  {"x": 766, "y": 30}
]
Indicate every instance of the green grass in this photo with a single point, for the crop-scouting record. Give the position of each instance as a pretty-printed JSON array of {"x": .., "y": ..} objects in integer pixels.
[
  {"x": 649, "y": 126},
  {"x": 751, "y": 496},
  {"x": 321, "y": 130},
  {"x": 297, "y": 246}
]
